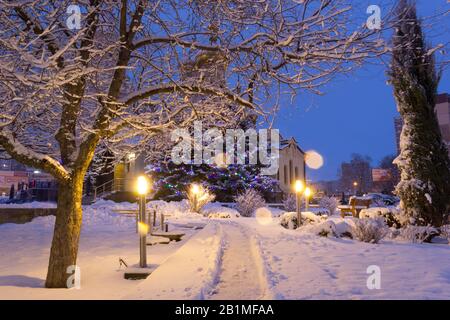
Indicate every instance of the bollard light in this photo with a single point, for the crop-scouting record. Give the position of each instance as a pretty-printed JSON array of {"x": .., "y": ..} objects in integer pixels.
[{"x": 307, "y": 194}]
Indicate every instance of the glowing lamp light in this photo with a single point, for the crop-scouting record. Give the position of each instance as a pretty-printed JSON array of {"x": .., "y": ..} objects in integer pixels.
[
  {"x": 195, "y": 189},
  {"x": 142, "y": 185},
  {"x": 298, "y": 186},
  {"x": 307, "y": 192},
  {"x": 355, "y": 183}
]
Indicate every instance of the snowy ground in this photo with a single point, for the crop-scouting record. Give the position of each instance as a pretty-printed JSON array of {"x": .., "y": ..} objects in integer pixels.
[{"x": 234, "y": 258}]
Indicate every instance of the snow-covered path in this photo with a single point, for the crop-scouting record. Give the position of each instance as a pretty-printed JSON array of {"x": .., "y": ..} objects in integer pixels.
[{"x": 238, "y": 276}]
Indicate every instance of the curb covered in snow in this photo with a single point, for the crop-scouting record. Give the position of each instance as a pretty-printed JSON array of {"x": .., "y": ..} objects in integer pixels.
[{"x": 190, "y": 273}]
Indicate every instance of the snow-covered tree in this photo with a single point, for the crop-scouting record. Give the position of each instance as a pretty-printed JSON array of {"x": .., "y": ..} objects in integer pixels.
[
  {"x": 117, "y": 76},
  {"x": 423, "y": 162},
  {"x": 248, "y": 201},
  {"x": 225, "y": 182}
]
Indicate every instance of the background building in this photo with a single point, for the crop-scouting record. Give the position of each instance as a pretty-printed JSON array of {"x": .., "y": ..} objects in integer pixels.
[
  {"x": 443, "y": 115},
  {"x": 442, "y": 110}
]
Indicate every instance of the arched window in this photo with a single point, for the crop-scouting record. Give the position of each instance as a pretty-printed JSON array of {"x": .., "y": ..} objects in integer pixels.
[
  {"x": 296, "y": 173},
  {"x": 285, "y": 174},
  {"x": 291, "y": 178}
]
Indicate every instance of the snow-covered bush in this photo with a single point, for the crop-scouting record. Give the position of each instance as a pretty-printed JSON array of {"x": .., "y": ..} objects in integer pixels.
[
  {"x": 248, "y": 201},
  {"x": 389, "y": 214},
  {"x": 324, "y": 229},
  {"x": 290, "y": 203},
  {"x": 370, "y": 230},
  {"x": 198, "y": 199},
  {"x": 289, "y": 219},
  {"x": 445, "y": 232},
  {"x": 418, "y": 234},
  {"x": 329, "y": 203}
]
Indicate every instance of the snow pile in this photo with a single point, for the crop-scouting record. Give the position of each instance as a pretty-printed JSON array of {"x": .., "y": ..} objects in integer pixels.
[
  {"x": 173, "y": 209},
  {"x": 189, "y": 273},
  {"x": 215, "y": 210},
  {"x": 391, "y": 215},
  {"x": 289, "y": 219},
  {"x": 323, "y": 229},
  {"x": 34, "y": 204},
  {"x": 110, "y": 205}
]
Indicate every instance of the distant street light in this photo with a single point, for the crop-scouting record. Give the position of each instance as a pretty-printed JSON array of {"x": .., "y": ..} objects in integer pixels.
[
  {"x": 307, "y": 194},
  {"x": 298, "y": 191},
  {"x": 355, "y": 185},
  {"x": 142, "y": 187}
]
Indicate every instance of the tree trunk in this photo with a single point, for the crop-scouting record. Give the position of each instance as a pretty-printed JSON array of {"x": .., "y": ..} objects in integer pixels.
[{"x": 66, "y": 234}]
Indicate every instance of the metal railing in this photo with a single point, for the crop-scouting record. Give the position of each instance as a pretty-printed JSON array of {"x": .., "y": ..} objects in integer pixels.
[{"x": 114, "y": 185}]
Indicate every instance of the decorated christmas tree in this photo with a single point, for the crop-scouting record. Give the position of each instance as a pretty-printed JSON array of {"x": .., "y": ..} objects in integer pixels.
[{"x": 172, "y": 181}]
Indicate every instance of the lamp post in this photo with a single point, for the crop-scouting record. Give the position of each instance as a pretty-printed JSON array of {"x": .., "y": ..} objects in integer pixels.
[
  {"x": 307, "y": 195},
  {"x": 142, "y": 189},
  {"x": 298, "y": 191}
]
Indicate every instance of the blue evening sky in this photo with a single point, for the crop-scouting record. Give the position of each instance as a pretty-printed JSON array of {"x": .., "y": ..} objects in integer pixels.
[{"x": 356, "y": 113}]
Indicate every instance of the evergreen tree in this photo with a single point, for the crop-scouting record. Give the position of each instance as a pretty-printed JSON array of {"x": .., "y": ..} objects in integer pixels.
[
  {"x": 423, "y": 162},
  {"x": 172, "y": 181}
]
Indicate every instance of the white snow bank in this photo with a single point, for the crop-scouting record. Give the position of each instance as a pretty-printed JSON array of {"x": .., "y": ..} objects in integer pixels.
[
  {"x": 34, "y": 204},
  {"x": 189, "y": 273}
]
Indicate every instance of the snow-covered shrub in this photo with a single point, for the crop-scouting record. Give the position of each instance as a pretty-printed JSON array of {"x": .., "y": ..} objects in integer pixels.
[
  {"x": 310, "y": 217},
  {"x": 370, "y": 230},
  {"x": 197, "y": 200},
  {"x": 329, "y": 203},
  {"x": 344, "y": 228},
  {"x": 418, "y": 234},
  {"x": 320, "y": 211},
  {"x": 290, "y": 203},
  {"x": 289, "y": 220},
  {"x": 389, "y": 214},
  {"x": 445, "y": 232},
  {"x": 323, "y": 229},
  {"x": 248, "y": 201}
]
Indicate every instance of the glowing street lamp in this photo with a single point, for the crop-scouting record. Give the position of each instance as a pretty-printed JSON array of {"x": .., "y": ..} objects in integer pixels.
[
  {"x": 298, "y": 190},
  {"x": 355, "y": 185},
  {"x": 307, "y": 194},
  {"x": 142, "y": 187}
]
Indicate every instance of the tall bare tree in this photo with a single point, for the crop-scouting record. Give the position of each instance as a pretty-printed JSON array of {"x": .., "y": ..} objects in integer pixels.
[{"x": 117, "y": 79}]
